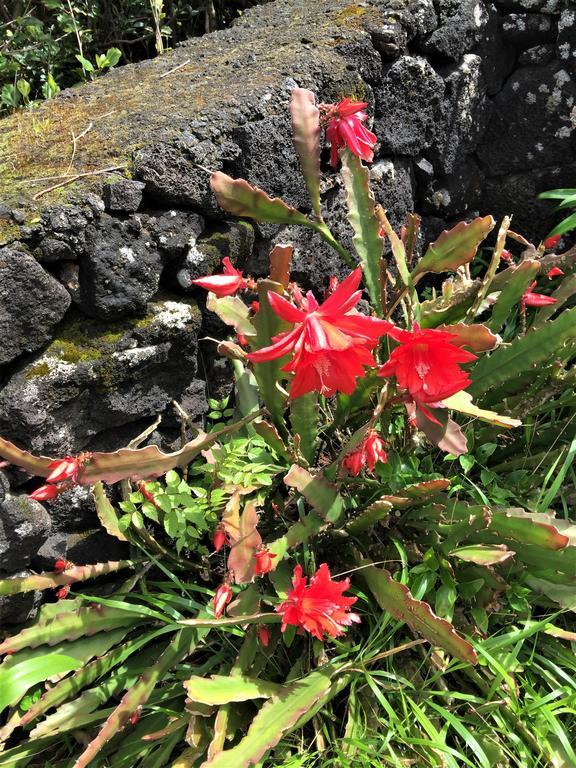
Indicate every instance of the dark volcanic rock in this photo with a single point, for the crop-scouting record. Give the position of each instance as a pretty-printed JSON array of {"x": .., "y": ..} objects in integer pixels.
[
  {"x": 16, "y": 609},
  {"x": 531, "y": 124},
  {"x": 465, "y": 113},
  {"x": 120, "y": 269},
  {"x": 544, "y": 6},
  {"x": 498, "y": 58},
  {"x": 455, "y": 194},
  {"x": 518, "y": 193},
  {"x": 96, "y": 376},
  {"x": 24, "y": 527},
  {"x": 125, "y": 195},
  {"x": 566, "y": 44},
  {"x": 31, "y": 303},
  {"x": 528, "y": 29},
  {"x": 95, "y": 546},
  {"x": 540, "y": 54},
  {"x": 74, "y": 510},
  {"x": 173, "y": 231},
  {"x": 460, "y": 27},
  {"x": 393, "y": 186},
  {"x": 408, "y": 106}
]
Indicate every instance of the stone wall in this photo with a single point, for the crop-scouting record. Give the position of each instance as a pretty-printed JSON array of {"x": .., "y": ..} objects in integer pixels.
[{"x": 474, "y": 107}]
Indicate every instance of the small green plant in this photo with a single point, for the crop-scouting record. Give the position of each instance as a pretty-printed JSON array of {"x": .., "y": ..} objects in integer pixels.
[{"x": 567, "y": 201}]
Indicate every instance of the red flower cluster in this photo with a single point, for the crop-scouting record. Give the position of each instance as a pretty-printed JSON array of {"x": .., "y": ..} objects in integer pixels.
[
  {"x": 370, "y": 450},
  {"x": 64, "y": 471},
  {"x": 427, "y": 364},
  {"x": 346, "y": 129},
  {"x": 318, "y": 607},
  {"x": 331, "y": 342},
  {"x": 225, "y": 284}
]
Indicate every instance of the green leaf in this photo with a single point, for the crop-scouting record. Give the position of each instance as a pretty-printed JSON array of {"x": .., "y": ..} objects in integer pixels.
[
  {"x": 304, "y": 422},
  {"x": 86, "y": 65},
  {"x": 51, "y": 580},
  {"x": 566, "y": 225},
  {"x": 219, "y": 689},
  {"x": 278, "y": 716},
  {"x": 528, "y": 528},
  {"x": 106, "y": 512},
  {"x": 484, "y": 554},
  {"x": 321, "y": 494},
  {"x": 113, "y": 55},
  {"x": 454, "y": 247},
  {"x": 396, "y": 598},
  {"x": 18, "y": 678},
  {"x": 375, "y": 513},
  {"x": 565, "y": 291},
  {"x": 232, "y": 311},
  {"x": 520, "y": 278},
  {"x": 563, "y": 594},
  {"x": 268, "y": 324},
  {"x": 462, "y": 402},
  {"x": 240, "y": 198},
  {"x": 523, "y": 354},
  {"x": 368, "y": 243},
  {"x": 306, "y": 137}
]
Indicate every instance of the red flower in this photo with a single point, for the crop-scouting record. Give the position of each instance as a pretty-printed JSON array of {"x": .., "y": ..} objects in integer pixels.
[
  {"x": 220, "y": 537},
  {"x": 346, "y": 129},
  {"x": 506, "y": 256},
  {"x": 45, "y": 493},
  {"x": 370, "y": 450},
  {"x": 318, "y": 607},
  {"x": 61, "y": 565},
  {"x": 226, "y": 284},
  {"x": 62, "y": 593},
  {"x": 551, "y": 242},
  {"x": 263, "y": 561},
  {"x": 530, "y": 299},
  {"x": 331, "y": 341},
  {"x": 427, "y": 364},
  {"x": 63, "y": 469},
  {"x": 222, "y": 597},
  {"x": 264, "y": 635},
  {"x": 554, "y": 272}
]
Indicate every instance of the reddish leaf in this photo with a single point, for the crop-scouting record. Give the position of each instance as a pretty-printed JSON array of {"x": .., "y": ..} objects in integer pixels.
[
  {"x": 280, "y": 260},
  {"x": 241, "y": 557},
  {"x": 240, "y": 198},
  {"x": 454, "y": 247},
  {"x": 476, "y": 336},
  {"x": 306, "y": 138}
]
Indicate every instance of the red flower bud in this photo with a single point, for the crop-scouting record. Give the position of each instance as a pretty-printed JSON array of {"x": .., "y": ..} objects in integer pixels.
[
  {"x": 255, "y": 306},
  {"x": 506, "y": 256},
  {"x": 554, "y": 272},
  {"x": 551, "y": 242},
  {"x": 226, "y": 284},
  {"x": 45, "y": 493},
  {"x": 263, "y": 561},
  {"x": 63, "y": 469},
  {"x": 62, "y": 593},
  {"x": 264, "y": 635},
  {"x": 61, "y": 565},
  {"x": 220, "y": 537},
  {"x": 222, "y": 597}
]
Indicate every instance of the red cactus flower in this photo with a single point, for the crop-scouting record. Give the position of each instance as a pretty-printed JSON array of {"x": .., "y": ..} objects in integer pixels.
[
  {"x": 346, "y": 129},
  {"x": 63, "y": 469},
  {"x": 530, "y": 299},
  {"x": 225, "y": 284},
  {"x": 551, "y": 242},
  {"x": 222, "y": 597},
  {"x": 264, "y": 636},
  {"x": 370, "y": 450},
  {"x": 331, "y": 342},
  {"x": 263, "y": 561},
  {"x": 318, "y": 607},
  {"x": 45, "y": 493},
  {"x": 554, "y": 272},
  {"x": 427, "y": 364}
]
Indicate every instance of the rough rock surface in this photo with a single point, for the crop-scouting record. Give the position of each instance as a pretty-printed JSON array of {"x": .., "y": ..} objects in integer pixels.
[
  {"x": 97, "y": 376},
  {"x": 32, "y": 302},
  {"x": 24, "y": 527},
  {"x": 473, "y": 102}
]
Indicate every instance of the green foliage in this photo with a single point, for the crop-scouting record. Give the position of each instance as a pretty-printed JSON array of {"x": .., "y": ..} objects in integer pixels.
[
  {"x": 462, "y": 559},
  {"x": 567, "y": 200}
]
